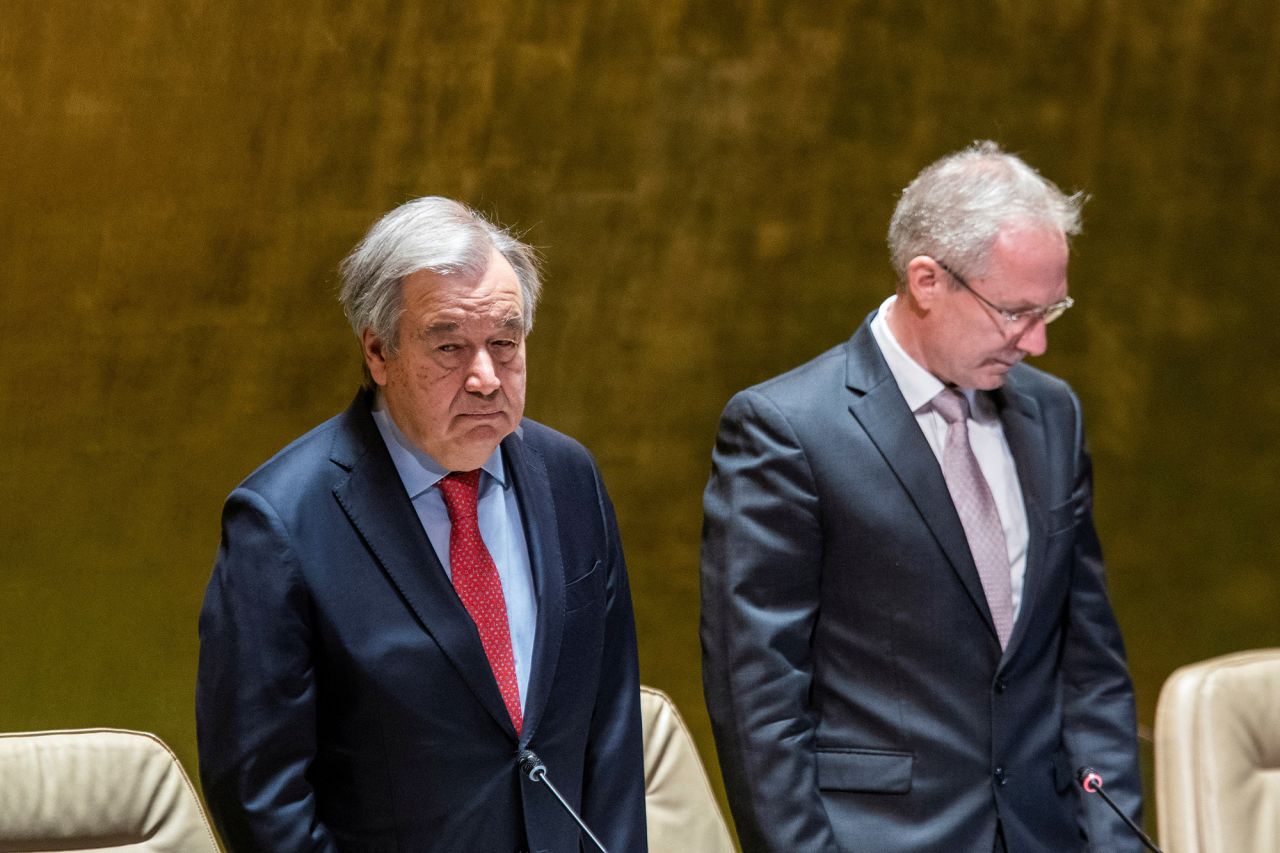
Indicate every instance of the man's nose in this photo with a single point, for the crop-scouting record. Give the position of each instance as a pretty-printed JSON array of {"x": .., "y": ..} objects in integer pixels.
[
  {"x": 1034, "y": 340},
  {"x": 482, "y": 378}
]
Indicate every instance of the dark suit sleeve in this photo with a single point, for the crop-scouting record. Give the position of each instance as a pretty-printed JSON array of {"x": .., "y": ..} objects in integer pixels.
[
  {"x": 761, "y": 566},
  {"x": 255, "y": 690},
  {"x": 1099, "y": 718},
  {"x": 613, "y": 776}
]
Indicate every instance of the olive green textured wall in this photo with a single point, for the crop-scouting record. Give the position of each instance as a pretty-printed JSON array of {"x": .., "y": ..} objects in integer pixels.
[{"x": 710, "y": 183}]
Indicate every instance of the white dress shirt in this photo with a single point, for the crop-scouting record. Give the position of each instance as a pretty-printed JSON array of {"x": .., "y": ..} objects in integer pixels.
[{"x": 986, "y": 437}]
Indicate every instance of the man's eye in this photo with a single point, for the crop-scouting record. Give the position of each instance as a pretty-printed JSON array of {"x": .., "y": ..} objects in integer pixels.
[{"x": 448, "y": 348}]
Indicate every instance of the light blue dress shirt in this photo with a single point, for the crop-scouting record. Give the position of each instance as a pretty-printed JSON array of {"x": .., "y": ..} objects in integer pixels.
[{"x": 500, "y": 528}]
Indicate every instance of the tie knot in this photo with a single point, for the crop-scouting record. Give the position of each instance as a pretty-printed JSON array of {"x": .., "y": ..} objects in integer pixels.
[
  {"x": 459, "y": 490},
  {"x": 952, "y": 405}
]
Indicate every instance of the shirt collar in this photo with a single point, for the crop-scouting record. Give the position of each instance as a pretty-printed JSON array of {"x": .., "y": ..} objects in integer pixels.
[
  {"x": 417, "y": 470},
  {"x": 918, "y": 385}
]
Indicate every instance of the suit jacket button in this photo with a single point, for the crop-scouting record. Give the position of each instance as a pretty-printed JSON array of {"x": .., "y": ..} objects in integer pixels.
[
  {"x": 1000, "y": 685},
  {"x": 1001, "y": 779}
]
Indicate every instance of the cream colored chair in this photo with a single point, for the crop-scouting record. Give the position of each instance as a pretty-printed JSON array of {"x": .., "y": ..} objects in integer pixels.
[
  {"x": 1217, "y": 744},
  {"x": 97, "y": 789},
  {"x": 683, "y": 816}
]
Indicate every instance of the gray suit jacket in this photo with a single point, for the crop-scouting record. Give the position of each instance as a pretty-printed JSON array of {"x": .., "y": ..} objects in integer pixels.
[{"x": 856, "y": 685}]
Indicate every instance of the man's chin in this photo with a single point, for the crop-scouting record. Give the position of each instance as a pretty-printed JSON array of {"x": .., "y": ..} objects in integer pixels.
[
  {"x": 988, "y": 381},
  {"x": 475, "y": 443},
  {"x": 993, "y": 375}
]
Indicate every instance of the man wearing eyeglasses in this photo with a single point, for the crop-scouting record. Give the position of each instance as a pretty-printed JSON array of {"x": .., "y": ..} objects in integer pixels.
[{"x": 907, "y": 642}]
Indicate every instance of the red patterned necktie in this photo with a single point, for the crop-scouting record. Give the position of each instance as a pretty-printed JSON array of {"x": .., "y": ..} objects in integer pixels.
[{"x": 475, "y": 577}]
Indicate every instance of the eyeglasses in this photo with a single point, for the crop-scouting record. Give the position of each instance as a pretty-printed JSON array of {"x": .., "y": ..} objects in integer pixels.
[{"x": 1048, "y": 313}]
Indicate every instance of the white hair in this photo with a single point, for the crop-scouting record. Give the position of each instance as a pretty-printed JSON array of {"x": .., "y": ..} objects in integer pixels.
[
  {"x": 957, "y": 206},
  {"x": 435, "y": 234}
]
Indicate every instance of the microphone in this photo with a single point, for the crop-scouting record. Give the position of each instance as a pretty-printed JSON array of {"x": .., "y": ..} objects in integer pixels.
[
  {"x": 531, "y": 765},
  {"x": 1091, "y": 781}
]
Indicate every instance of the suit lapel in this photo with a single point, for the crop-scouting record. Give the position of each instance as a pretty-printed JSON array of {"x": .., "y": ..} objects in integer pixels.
[
  {"x": 374, "y": 499},
  {"x": 879, "y": 407},
  {"x": 541, "y": 531},
  {"x": 1024, "y": 430}
]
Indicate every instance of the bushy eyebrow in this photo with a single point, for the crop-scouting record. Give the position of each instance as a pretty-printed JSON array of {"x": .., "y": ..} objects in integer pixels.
[{"x": 514, "y": 322}]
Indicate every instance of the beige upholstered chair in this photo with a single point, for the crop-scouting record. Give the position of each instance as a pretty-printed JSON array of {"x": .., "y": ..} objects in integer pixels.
[
  {"x": 97, "y": 789},
  {"x": 1218, "y": 756},
  {"x": 683, "y": 816}
]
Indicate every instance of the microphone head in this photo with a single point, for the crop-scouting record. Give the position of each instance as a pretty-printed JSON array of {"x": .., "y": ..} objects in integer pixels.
[
  {"x": 1090, "y": 779},
  {"x": 531, "y": 765}
]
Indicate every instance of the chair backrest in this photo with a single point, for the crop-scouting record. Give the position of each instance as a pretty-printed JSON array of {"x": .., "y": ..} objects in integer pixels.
[
  {"x": 97, "y": 789},
  {"x": 1217, "y": 743},
  {"x": 683, "y": 816}
]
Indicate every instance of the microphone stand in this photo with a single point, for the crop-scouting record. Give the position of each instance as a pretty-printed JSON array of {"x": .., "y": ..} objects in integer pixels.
[
  {"x": 1091, "y": 781},
  {"x": 531, "y": 765}
]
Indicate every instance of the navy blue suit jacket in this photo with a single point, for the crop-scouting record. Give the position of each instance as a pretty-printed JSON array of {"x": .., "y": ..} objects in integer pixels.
[
  {"x": 857, "y": 689},
  {"x": 344, "y": 701}
]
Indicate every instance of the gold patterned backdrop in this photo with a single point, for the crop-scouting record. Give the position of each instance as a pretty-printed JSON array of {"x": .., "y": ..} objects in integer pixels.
[{"x": 710, "y": 183}]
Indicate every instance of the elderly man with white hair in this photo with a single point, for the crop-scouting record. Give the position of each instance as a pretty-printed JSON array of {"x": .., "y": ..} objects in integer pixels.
[{"x": 418, "y": 592}]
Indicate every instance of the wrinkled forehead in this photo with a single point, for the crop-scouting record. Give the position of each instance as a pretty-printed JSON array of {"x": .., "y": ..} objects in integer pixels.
[{"x": 449, "y": 301}]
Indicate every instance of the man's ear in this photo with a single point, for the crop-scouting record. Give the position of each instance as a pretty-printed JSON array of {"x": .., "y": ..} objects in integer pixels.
[
  {"x": 375, "y": 356},
  {"x": 925, "y": 281}
]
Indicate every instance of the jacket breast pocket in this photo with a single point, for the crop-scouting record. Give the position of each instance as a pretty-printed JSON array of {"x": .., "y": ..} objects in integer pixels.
[
  {"x": 877, "y": 771},
  {"x": 582, "y": 591}
]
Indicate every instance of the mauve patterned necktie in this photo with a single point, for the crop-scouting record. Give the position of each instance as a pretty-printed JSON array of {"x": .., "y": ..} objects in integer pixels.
[
  {"x": 475, "y": 577},
  {"x": 977, "y": 510}
]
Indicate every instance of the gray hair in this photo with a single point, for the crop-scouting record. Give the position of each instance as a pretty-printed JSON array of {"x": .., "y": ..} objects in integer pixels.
[
  {"x": 956, "y": 207},
  {"x": 435, "y": 234}
]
